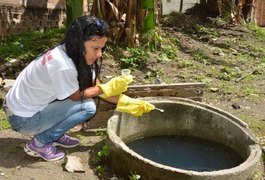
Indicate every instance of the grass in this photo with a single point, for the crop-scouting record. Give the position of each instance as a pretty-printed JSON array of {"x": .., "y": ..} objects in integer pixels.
[
  {"x": 4, "y": 124},
  {"x": 259, "y": 32},
  {"x": 28, "y": 45}
]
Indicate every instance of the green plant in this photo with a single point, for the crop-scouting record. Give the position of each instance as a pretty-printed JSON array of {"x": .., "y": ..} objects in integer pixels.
[
  {"x": 99, "y": 159},
  {"x": 154, "y": 73},
  {"x": 184, "y": 63},
  {"x": 151, "y": 39},
  {"x": 4, "y": 124},
  {"x": 101, "y": 133},
  {"x": 170, "y": 52},
  {"x": 134, "y": 176},
  {"x": 101, "y": 170},
  {"x": 104, "y": 152},
  {"x": 23, "y": 46},
  {"x": 137, "y": 59},
  {"x": 259, "y": 32},
  {"x": 201, "y": 57},
  {"x": 201, "y": 30}
]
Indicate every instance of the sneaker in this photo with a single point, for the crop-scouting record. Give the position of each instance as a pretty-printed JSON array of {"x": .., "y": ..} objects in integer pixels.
[
  {"x": 47, "y": 152},
  {"x": 66, "y": 141}
]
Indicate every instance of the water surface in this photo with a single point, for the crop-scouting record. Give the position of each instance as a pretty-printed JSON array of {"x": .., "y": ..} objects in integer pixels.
[{"x": 186, "y": 153}]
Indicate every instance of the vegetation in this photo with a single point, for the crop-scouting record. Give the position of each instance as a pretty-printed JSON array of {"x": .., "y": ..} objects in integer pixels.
[
  {"x": 28, "y": 45},
  {"x": 230, "y": 60}
]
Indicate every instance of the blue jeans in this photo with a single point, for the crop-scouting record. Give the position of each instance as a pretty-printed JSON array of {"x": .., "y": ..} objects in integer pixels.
[{"x": 56, "y": 119}]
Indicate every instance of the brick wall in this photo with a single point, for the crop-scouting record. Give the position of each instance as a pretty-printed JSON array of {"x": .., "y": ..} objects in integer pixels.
[
  {"x": 18, "y": 16},
  {"x": 259, "y": 12}
]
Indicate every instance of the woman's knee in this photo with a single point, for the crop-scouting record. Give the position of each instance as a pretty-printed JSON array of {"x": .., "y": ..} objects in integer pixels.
[{"x": 89, "y": 106}]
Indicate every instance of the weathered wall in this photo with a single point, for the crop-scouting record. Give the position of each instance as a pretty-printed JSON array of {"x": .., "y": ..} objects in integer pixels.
[
  {"x": 18, "y": 16},
  {"x": 259, "y": 12}
]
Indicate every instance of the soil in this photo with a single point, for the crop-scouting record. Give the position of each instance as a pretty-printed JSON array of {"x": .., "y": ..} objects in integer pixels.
[{"x": 207, "y": 53}]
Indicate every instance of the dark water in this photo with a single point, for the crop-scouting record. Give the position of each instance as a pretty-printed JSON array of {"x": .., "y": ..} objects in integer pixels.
[{"x": 186, "y": 153}]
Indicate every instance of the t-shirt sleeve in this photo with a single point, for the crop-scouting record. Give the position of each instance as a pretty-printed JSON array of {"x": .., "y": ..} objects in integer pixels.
[{"x": 65, "y": 83}]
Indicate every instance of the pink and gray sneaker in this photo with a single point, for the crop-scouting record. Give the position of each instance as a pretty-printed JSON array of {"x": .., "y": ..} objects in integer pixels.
[
  {"x": 47, "y": 152},
  {"x": 66, "y": 141}
]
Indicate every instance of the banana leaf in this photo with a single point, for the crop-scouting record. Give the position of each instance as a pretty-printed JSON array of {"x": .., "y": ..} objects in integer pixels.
[
  {"x": 149, "y": 21},
  {"x": 74, "y": 9},
  {"x": 147, "y": 4}
]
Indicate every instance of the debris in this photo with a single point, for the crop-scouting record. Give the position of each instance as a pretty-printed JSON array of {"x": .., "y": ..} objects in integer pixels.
[
  {"x": 74, "y": 164},
  {"x": 214, "y": 89},
  {"x": 243, "y": 77},
  {"x": 108, "y": 77},
  {"x": 236, "y": 106}
]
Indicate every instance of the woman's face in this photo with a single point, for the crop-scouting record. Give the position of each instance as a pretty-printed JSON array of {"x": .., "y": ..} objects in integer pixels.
[{"x": 93, "y": 49}]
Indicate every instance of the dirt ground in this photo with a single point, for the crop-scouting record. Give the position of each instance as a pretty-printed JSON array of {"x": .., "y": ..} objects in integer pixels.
[
  {"x": 16, "y": 164},
  {"x": 223, "y": 93}
]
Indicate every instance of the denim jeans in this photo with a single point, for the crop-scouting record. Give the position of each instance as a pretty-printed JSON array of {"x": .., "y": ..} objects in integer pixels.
[{"x": 56, "y": 119}]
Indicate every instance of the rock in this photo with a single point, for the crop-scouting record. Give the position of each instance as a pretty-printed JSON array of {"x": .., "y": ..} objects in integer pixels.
[
  {"x": 214, "y": 89},
  {"x": 74, "y": 164},
  {"x": 236, "y": 106},
  {"x": 127, "y": 54}
]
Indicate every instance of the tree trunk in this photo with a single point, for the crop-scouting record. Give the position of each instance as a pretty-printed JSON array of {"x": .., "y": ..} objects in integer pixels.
[{"x": 130, "y": 23}]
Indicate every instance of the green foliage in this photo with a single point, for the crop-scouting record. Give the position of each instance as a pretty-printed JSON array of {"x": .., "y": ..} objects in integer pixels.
[
  {"x": 99, "y": 160},
  {"x": 202, "y": 30},
  {"x": 151, "y": 39},
  {"x": 4, "y": 124},
  {"x": 259, "y": 32},
  {"x": 101, "y": 133},
  {"x": 28, "y": 45},
  {"x": 184, "y": 63},
  {"x": 137, "y": 59},
  {"x": 134, "y": 176},
  {"x": 147, "y": 4},
  {"x": 227, "y": 73},
  {"x": 154, "y": 73},
  {"x": 74, "y": 9},
  {"x": 104, "y": 152},
  {"x": 149, "y": 20},
  {"x": 169, "y": 52},
  {"x": 201, "y": 56}
]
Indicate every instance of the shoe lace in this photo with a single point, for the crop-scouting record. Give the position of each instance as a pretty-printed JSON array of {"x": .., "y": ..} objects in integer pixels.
[
  {"x": 51, "y": 149},
  {"x": 64, "y": 138}
]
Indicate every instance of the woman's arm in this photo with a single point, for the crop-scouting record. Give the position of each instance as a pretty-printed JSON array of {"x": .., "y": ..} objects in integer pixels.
[
  {"x": 88, "y": 93},
  {"x": 112, "y": 99},
  {"x": 93, "y": 92}
]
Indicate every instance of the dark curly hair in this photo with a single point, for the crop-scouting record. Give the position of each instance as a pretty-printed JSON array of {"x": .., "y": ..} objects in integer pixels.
[{"x": 81, "y": 30}]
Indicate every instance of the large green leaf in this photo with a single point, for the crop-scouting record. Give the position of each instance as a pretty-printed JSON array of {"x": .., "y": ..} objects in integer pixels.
[
  {"x": 74, "y": 9},
  {"x": 149, "y": 21},
  {"x": 147, "y": 4}
]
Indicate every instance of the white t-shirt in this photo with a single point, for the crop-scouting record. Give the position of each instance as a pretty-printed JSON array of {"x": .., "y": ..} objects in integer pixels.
[{"x": 52, "y": 76}]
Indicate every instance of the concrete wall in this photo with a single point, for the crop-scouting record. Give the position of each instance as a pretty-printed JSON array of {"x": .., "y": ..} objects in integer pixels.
[
  {"x": 18, "y": 16},
  {"x": 174, "y": 5}
]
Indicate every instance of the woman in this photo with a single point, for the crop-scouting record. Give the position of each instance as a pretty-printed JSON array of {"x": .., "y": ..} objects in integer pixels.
[{"x": 55, "y": 92}]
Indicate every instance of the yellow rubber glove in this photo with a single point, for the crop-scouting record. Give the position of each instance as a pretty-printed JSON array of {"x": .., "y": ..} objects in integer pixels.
[
  {"x": 115, "y": 86},
  {"x": 133, "y": 106}
]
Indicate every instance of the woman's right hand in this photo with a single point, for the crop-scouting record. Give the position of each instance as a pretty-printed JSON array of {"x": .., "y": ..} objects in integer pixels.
[{"x": 115, "y": 86}]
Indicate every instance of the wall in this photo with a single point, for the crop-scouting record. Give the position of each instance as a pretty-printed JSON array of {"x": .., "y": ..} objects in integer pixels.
[
  {"x": 18, "y": 16},
  {"x": 174, "y": 5},
  {"x": 259, "y": 12}
]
